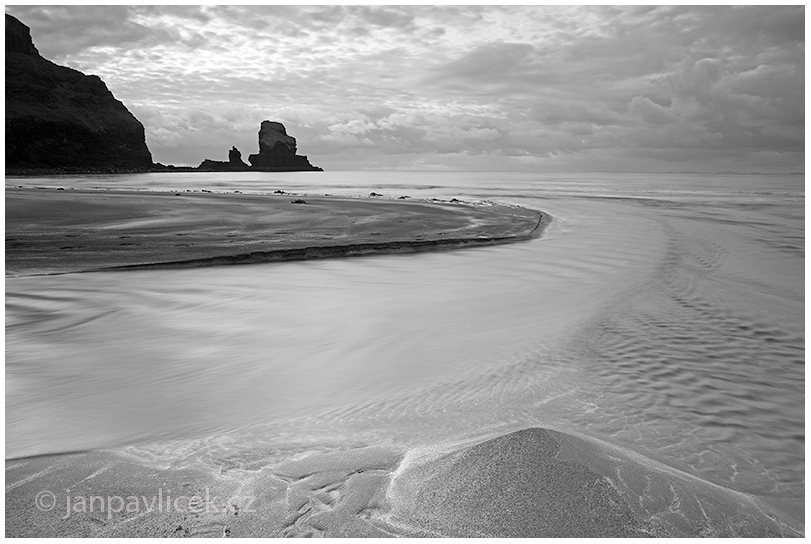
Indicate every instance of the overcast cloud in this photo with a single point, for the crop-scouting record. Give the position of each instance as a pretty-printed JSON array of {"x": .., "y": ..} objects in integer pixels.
[{"x": 663, "y": 88}]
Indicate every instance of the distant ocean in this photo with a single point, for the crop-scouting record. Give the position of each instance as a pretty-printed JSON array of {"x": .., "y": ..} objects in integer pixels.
[{"x": 663, "y": 313}]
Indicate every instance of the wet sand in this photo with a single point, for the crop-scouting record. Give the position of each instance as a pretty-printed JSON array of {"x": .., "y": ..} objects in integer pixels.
[
  {"x": 56, "y": 231},
  {"x": 530, "y": 483}
]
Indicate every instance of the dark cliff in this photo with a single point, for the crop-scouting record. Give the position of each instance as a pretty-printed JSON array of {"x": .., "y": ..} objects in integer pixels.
[{"x": 59, "y": 118}]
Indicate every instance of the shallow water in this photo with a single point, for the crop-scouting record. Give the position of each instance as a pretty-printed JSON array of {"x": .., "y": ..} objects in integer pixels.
[{"x": 661, "y": 313}]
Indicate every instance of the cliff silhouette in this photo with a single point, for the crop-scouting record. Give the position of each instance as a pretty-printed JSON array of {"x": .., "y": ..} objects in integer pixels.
[
  {"x": 61, "y": 120},
  {"x": 277, "y": 153}
]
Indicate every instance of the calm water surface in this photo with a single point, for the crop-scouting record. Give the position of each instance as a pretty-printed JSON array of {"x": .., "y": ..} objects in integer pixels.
[{"x": 662, "y": 313}]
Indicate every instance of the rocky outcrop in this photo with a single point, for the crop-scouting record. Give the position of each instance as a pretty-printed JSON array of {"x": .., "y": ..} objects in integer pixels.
[
  {"x": 59, "y": 119},
  {"x": 234, "y": 164},
  {"x": 18, "y": 38},
  {"x": 235, "y": 158},
  {"x": 277, "y": 150},
  {"x": 277, "y": 153}
]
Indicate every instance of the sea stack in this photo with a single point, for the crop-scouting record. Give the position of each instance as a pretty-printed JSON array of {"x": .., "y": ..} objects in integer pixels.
[
  {"x": 234, "y": 164},
  {"x": 61, "y": 120},
  {"x": 277, "y": 150}
]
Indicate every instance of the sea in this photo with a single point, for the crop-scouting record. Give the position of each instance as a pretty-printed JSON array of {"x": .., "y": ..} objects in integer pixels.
[{"x": 660, "y": 313}]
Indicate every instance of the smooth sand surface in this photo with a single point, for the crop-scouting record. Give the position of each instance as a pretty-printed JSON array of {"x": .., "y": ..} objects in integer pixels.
[
  {"x": 530, "y": 483},
  {"x": 56, "y": 231}
]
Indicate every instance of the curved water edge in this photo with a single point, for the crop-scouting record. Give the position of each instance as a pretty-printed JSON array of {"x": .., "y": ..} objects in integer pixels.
[
  {"x": 340, "y": 251},
  {"x": 663, "y": 321},
  {"x": 227, "y": 228}
]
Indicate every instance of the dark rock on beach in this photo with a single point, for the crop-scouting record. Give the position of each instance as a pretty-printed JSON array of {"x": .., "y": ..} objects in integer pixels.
[{"x": 59, "y": 120}]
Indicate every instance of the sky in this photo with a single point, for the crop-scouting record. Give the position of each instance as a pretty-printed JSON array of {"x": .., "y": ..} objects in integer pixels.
[{"x": 416, "y": 87}]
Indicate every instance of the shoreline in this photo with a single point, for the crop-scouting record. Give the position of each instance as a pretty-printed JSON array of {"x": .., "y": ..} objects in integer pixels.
[
  {"x": 531, "y": 482},
  {"x": 156, "y": 168},
  {"x": 318, "y": 252},
  {"x": 58, "y": 230}
]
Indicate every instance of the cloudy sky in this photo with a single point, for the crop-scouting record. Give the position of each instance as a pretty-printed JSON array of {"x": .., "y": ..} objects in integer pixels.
[{"x": 663, "y": 88}]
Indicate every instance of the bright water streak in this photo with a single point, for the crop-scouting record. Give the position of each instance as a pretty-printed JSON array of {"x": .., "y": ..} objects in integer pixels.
[{"x": 661, "y": 313}]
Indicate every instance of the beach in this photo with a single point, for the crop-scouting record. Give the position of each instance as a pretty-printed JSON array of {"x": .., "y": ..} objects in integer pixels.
[
  {"x": 602, "y": 376},
  {"x": 483, "y": 272}
]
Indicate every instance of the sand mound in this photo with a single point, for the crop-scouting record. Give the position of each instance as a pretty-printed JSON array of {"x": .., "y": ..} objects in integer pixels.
[{"x": 542, "y": 483}]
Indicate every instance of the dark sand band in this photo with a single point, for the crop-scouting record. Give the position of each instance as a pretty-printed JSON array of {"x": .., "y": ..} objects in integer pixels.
[{"x": 56, "y": 231}]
